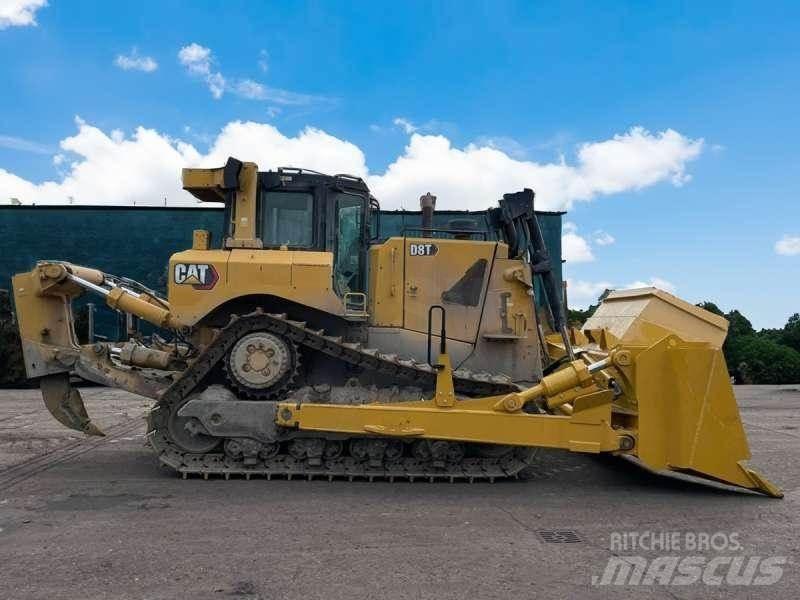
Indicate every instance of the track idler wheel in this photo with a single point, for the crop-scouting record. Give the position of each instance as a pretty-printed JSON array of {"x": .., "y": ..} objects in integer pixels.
[{"x": 189, "y": 434}]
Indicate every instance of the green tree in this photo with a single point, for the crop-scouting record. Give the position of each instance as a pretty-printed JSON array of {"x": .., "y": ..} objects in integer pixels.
[
  {"x": 739, "y": 325},
  {"x": 757, "y": 359},
  {"x": 12, "y": 367},
  {"x": 576, "y": 317},
  {"x": 769, "y": 356},
  {"x": 711, "y": 307},
  {"x": 791, "y": 332}
]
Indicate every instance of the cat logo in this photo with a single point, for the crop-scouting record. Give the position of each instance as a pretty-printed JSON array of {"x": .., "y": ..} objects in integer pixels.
[{"x": 200, "y": 277}]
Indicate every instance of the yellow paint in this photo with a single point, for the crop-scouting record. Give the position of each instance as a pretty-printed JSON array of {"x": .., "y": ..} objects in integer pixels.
[
  {"x": 510, "y": 276},
  {"x": 644, "y": 313},
  {"x": 201, "y": 239},
  {"x": 208, "y": 185},
  {"x": 198, "y": 181},
  {"x": 426, "y": 277},
  {"x": 44, "y": 318},
  {"x": 244, "y": 213},
  {"x": 299, "y": 276},
  {"x": 676, "y": 411},
  {"x": 386, "y": 283},
  {"x": 671, "y": 406},
  {"x": 445, "y": 395},
  {"x": 467, "y": 421}
]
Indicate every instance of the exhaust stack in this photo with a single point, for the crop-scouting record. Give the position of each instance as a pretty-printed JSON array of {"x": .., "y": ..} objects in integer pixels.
[{"x": 427, "y": 204}]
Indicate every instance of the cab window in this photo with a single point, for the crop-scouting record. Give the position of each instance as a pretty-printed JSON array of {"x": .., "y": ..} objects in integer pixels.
[
  {"x": 347, "y": 271},
  {"x": 287, "y": 219}
]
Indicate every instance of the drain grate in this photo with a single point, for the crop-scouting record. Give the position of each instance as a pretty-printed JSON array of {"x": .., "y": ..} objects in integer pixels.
[{"x": 559, "y": 536}]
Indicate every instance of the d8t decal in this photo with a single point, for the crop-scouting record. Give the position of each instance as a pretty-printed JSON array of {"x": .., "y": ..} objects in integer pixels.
[{"x": 422, "y": 249}]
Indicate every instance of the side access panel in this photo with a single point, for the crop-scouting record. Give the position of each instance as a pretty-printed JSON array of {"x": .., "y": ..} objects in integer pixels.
[
  {"x": 386, "y": 268},
  {"x": 508, "y": 341},
  {"x": 453, "y": 273}
]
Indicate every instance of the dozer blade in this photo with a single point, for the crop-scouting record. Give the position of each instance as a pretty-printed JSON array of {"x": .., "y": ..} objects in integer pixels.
[
  {"x": 65, "y": 403},
  {"x": 688, "y": 417}
]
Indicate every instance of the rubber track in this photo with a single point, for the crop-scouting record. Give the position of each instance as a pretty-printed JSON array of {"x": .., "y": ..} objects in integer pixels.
[{"x": 217, "y": 464}]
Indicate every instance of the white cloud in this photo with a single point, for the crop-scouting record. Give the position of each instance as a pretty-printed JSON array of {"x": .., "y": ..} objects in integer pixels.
[
  {"x": 199, "y": 61},
  {"x": 580, "y": 294},
  {"x": 405, "y": 125},
  {"x": 216, "y": 84},
  {"x": 196, "y": 58},
  {"x": 788, "y": 245},
  {"x": 134, "y": 62},
  {"x": 253, "y": 90},
  {"x": 474, "y": 176},
  {"x": 264, "y": 144},
  {"x": 112, "y": 168},
  {"x": 657, "y": 282},
  {"x": 503, "y": 143},
  {"x": 574, "y": 248},
  {"x": 19, "y": 13},
  {"x": 263, "y": 61},
  {"x": 637, "y": 159},
  {"x": 428, "y": 127},
  {"x": 145, "y": 168},
  {"x": 22, "y": 145},
  {"x": 602, "y": 238}
]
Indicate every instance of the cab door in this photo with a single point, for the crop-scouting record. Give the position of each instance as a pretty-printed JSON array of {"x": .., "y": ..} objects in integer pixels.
[
  {"x": 453, "y": 273},
  {"x": 349, "y": 251}
]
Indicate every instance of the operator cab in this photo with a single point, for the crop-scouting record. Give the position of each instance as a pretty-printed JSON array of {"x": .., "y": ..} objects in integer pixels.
[
  {"x": 300, "y": 209},
  {"x": 295, "y": 210}
]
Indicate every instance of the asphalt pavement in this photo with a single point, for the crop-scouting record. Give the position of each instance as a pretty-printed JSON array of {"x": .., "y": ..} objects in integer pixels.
[{"x": 97, "y": 519}]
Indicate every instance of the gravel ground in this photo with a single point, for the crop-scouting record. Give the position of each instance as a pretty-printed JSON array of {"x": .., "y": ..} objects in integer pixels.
[{"x": 96, "y": 518}]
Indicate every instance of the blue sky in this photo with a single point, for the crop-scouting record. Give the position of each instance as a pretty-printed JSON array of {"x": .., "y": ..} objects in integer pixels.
[{"x": 387, "y": 82}]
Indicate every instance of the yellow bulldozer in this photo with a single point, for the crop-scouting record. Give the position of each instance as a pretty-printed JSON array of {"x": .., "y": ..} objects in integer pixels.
[{"x": 300, "y": 345}]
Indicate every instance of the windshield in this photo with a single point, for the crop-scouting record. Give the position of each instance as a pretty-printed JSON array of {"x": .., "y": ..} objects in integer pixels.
[{"x": 287, "y": 219}]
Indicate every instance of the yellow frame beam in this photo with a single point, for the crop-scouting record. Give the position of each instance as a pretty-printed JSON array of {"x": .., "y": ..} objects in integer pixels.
[{"x": 588, "y": 429}]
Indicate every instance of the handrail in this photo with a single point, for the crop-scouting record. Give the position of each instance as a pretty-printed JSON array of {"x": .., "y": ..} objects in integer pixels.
[{"x": 442, "y": 335}]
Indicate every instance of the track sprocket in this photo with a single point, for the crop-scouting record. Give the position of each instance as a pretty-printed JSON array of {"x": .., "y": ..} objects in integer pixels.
[{"x": 261, "y": 365}]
